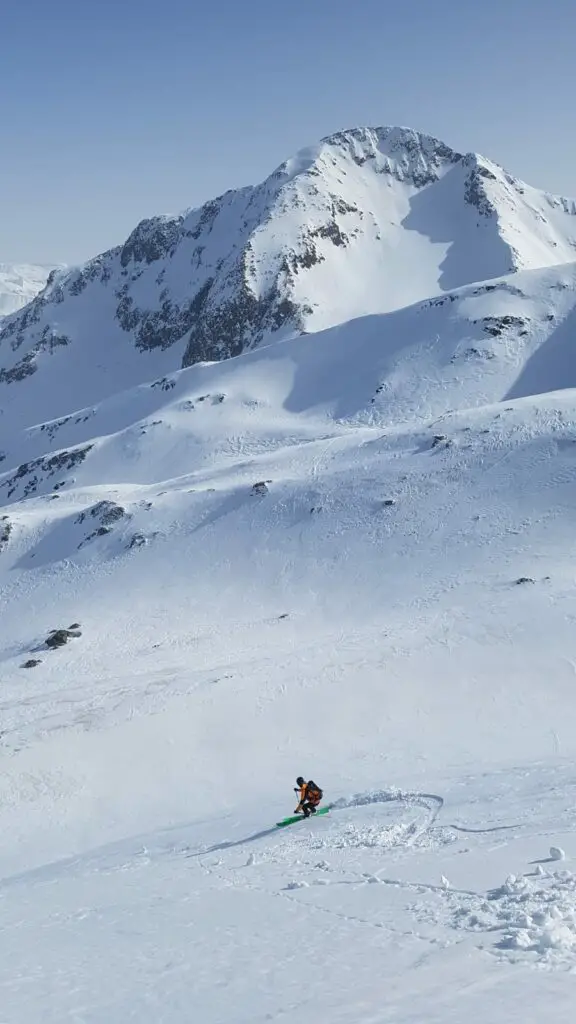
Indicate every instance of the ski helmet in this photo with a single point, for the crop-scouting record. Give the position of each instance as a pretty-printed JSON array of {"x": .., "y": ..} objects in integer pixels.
[{"x": 300, "y": 781}]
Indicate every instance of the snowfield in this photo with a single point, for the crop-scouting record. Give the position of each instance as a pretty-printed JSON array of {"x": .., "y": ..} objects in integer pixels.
[
  {"x": 19, "y": 283},
  {"x": 344, "y": 553}
]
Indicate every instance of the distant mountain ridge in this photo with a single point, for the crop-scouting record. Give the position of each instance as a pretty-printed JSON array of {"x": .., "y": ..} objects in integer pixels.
[
  {"x": 19, "y": 283},
  {"x": 367, "y": 221}
]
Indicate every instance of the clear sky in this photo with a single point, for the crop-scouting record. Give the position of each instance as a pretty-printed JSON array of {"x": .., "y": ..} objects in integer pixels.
[{"x": 113, "y": 110}]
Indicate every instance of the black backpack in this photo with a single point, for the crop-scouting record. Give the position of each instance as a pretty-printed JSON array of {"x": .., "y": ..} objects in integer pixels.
[{"x": 313, "y": 789}]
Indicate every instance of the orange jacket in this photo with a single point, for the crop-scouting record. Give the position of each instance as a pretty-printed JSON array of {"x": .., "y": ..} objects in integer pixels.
[{"x": 312, "y": 795}]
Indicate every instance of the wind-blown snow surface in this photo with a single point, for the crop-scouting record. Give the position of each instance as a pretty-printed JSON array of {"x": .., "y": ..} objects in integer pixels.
[
  {"x": 19, "y": 284},
  {"x": 356, "y": 616}
]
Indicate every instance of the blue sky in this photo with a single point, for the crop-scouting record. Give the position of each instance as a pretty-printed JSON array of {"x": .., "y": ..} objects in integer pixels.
[{"x": 115, "y": 110}]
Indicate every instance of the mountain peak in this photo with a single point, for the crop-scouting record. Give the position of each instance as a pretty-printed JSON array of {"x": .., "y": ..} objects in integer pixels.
[
  {"x": 367, "y": 220},
  {"x": 393, "y": 140},
  {"x": 404, "y": 153}
]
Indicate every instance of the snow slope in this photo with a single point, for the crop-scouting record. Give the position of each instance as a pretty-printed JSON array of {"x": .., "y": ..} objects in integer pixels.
[
  {"x": 304, "y": 559},
  {"x": 344, "y": 552},
  {"x": 19, "y": 283},
  {"x": 510, "y": 337}
]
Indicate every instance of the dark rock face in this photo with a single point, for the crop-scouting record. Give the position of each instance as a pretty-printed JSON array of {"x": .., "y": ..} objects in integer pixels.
[
  {"x": 498, "y": 325},
  {"x": 30, "y": 476},
  {"x": 221, "y": 330},
  {"x": 165, "y": 384},
  {"x": 475, "y": 193},
  {"x": 26, "y": 366},
  {"x": 59, "y": 637},
  {"x": 5, "y": 531},
  {"x": 138, "y": 540},
  {"x": 102, "y": 517},
  {"x": 106, "y": 512},
  {"x": 152, "y": 240},
  {"x": 31, "y": 663},
  {"x": 260, "y": 489}
]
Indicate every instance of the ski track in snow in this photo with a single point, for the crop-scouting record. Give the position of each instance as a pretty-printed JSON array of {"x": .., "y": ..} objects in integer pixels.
[
  {"x": 432, "y": 803},
  {"x": 329, "y": 877},
  {"x": 530, "y": 920},
  {"x": 385, "y": 837}
]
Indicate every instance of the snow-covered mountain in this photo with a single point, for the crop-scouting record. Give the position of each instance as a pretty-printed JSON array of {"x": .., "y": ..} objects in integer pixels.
[
  {"x": 480, "y": 345},
  {"x": 366, "y": 222},
  {"x": 347, "y": 551},
  {"x": 19, "y": 283}
]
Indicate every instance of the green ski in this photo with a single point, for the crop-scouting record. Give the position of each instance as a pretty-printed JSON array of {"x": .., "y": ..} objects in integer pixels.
[{"x": 300, "y": 817}]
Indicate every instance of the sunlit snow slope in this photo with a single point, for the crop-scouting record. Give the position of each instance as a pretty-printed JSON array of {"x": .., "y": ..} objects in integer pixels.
[{"x": 345, "y": 553}]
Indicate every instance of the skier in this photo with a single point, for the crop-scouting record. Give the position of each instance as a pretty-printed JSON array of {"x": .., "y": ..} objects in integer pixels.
[{"x": 310, "y": 797}]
